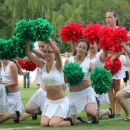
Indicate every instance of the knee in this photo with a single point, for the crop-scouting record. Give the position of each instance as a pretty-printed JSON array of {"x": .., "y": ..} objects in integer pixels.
[
  {"x": 28, "y": 109},
  {"x": 91, "y": 113},
  {"x": 43, "y": 124},
  {"x": 51, "y": 124},
  {"x": 119, "y": 95}
]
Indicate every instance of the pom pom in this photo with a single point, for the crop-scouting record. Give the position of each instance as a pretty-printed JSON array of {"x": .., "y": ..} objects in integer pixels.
[
  {"x": 101, "y": 80},
  {"x": 90, "y": 33},
  {"x": 116, "y": 65},
  {"x": 12, "y": 48},
  {"x": 22, "y": 29},
  {"x": 71, "y": 32},
  {"x": 73, "y": 73},
  {"x": 27, "y": 65},
  {"x": 40, "y": 30},
  {"x": 120, "y": 35},
  {"x": 105, "y": 35}
]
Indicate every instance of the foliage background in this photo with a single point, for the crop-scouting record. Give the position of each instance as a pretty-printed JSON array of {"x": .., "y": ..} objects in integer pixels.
[{"x": 60, "y": 13}]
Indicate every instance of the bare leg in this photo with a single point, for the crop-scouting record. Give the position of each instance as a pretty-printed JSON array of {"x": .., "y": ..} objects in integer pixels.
[
  {"x": 116, "y": 86},
  {"x": 92, "y": 112},
  {"x": 121, "y": 96},
  {"x": 24, "y": 116},
  {"x": 58, "y": 121},
  {"x": 112, "y": 102},
  {"x": 104, "y": 112},
  {"x": 45, "y": 121},
  {"x": 5, "y": 117},
  {"x": 32, "y": 108}
]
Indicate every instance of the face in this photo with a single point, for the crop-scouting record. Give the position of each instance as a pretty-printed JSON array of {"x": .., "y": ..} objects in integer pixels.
[
  {"x": 41, "y": 46},
  {"x": 48, "y": 53},
  {"x": 111, "y": 19},
  {"x": 82, "y": 48},
  {"x": 66, "y": 55},
  {"x": 93, "y": 47}
]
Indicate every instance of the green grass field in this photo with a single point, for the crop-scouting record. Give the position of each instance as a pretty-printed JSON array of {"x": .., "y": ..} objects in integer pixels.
[{"x": 104, "y": 124}]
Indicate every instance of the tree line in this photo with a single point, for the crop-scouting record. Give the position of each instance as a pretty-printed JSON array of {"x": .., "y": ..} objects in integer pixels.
[{"x": 60, "y": 13}]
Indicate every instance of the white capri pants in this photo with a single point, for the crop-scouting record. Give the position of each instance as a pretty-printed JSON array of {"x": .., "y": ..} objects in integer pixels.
[
  {"x": 3, "y": 99},
  {"x": 39, "y": 98}
]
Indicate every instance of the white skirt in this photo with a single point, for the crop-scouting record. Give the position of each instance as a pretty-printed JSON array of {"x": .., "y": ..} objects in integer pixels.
[
  {"x": 120, "y": 75},
  {"x": 104, "y": 99},
  {"x": 15, "y": 102},
  {"x": 3, "y": 99},
  {"x": 39, "y": 98},
  {"x": 127, "y": 89},
  {"x": 58, "y": 107},
  {"x": 78, "y": 100}
]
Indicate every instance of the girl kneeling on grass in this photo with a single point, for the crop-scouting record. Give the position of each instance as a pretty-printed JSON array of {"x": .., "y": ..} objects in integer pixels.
[{"x": 57, "y": 103}]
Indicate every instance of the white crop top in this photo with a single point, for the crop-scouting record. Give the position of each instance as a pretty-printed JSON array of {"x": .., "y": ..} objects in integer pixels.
[
  {"x": 85, "y": 66},
  {"x": 6, "y": 75},
  {"x": 53, "y": 78},
  {"x": 96, "y": 60}
]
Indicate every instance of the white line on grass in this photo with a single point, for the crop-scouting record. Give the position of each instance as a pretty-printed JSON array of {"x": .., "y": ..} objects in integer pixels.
[
  {"x": 31, "y": 127},
  {"x": 20, "y": 128}
]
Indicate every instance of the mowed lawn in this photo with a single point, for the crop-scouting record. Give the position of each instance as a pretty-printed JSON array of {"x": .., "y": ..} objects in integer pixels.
[{"x": 104, "y": 124}]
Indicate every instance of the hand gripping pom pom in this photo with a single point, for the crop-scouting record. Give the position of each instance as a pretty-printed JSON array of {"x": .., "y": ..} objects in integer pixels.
[
  {"x": 27, "y": 65},
  {"x": 71, "y": 32},
  {"x": 101, "y": 80},
  {"x": 116, "y": 65},
  {"x": 73, "y": 73}
]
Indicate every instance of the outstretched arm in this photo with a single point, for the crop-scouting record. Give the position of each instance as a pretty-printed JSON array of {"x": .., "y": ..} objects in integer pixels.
[
  {"x": 103, "y": 56},
  {"x": 38, "y": 53},
  {"x": 126, "y": 48},
  {"x": 33, "y": 58}
]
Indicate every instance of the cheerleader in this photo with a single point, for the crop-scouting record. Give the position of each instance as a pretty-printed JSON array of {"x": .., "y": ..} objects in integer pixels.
[
  {"x": 56, "y": 104},
  {"x": 123, "y": 96},
  {"x": 82, "y": 96}
]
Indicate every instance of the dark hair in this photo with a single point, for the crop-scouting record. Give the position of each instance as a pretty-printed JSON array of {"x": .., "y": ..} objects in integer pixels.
[
  {"x": 116, "y": 16},
  {"x": 82, "y": 40}
]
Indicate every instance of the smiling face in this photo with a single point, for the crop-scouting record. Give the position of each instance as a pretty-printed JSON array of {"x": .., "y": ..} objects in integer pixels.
[
  {"x": 111, "y": 19},
  {"x": 48, "y": 53}
]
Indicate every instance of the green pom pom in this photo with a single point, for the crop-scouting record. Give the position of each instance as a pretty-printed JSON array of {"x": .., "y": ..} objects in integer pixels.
[
  {"x": 73, "y": 73},
  {"x": 40, "y": 29},
  {"x": 22, "y": 29},
  {"x": 12, "y": 48},
  {"x": 101, "y": 80}
]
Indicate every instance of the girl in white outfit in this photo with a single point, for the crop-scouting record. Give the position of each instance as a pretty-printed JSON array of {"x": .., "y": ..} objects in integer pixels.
[
  {"x": 57, "y": 103},
  {"x": 82, "y": 96}
]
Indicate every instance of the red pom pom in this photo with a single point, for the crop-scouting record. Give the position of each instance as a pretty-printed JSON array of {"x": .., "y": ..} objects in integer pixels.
[
  {"x": 27, "y": 65},
  {"x": 90, "y": 33},
  {"x": 105, "y": 37},
  {"x": 116, "y": 65},
  {"x": 71, "y": 32},
  {"x": 120, "y": 35}
]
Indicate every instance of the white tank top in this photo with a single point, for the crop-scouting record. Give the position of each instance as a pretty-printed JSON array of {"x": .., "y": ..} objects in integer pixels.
[
  {"x": 85, "y": 66},
  {"x": 96, "y": 60},
  {"x": 6, "y": 75},
  {"x": 53, "y": 78}
]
